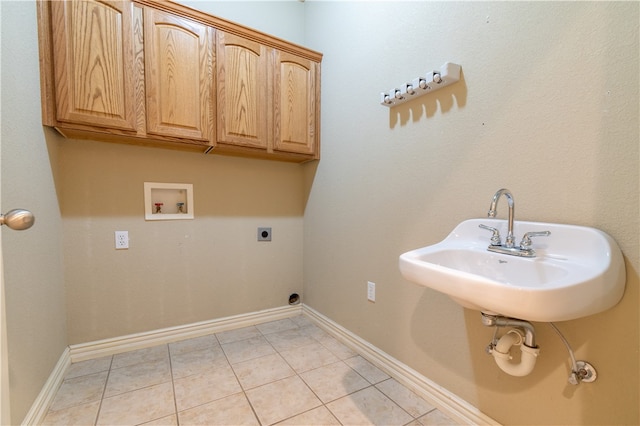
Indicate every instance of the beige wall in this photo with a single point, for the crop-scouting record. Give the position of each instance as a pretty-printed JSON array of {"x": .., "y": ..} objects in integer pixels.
[
  {"x": 184, "y": 271},
  {"x": 548, "y": 107},
  {"x": 181, "y": 271},
  {"x": 33, "y": 269},
  {"x": 175, "y": 272}
]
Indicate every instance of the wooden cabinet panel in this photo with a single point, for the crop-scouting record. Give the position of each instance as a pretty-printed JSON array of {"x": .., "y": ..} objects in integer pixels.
[
  {"x": 155, "y": 72},
  {"x": 295, "y": 104},
  {"x": 93, "y": 63},
  {"x": 242, "y": 90},
  {"x": 178, "y": 76}
]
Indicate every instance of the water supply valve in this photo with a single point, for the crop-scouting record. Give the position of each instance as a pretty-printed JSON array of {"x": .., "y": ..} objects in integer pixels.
[{"x": 585, "y": 373}]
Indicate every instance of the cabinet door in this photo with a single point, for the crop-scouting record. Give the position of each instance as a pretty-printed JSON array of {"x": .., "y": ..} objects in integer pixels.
[
  {"x": 295, "y": 104},
  {"x": 242, "y": 85},
  {"x": 178, "y": 61},
  {"x": 94, "y": 56}
]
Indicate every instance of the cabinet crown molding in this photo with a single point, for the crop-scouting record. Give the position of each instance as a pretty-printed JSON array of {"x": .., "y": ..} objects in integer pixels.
[{"x": 232, "y": 27}]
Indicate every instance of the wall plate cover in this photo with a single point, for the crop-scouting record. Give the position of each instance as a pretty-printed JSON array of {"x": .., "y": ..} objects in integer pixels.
[
  {"x": 371, "y": 291},
  {"x": 122, "y": 240},
  {"x": 264, "y": 234}
]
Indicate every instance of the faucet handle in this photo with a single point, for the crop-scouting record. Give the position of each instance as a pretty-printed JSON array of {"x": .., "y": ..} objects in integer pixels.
[
  {"x": 526, "y": 239},
  {"x": 495, "y": 237}
]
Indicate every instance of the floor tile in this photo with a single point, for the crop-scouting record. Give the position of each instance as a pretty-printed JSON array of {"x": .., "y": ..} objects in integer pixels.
[
  {"x": 194, "y": 344},
  {"x": 139, "y": 406},
  {"x": 436, "y": 418},
  {"x": 309, "y": 357},
  {"x": 302, "y": 321},
  {"x": 320, "y": 416},
  {"x": 367, "y": 370},
  {"x": 263, "y": 370},
  {"x": 405, "y": 398},
  {"x": 368, "y": 407},
  {"x": 151, "y": 354},
  {"x": 289, "y": 339},
  {"x": 314, "y": 331},
  {"x": 282, "y": 399},
  {"x": 205, "y": 387},
  {"x": 337, "y": 348},
  {"x": 232, "y": 410},
  {"x": 80, "y": 390},
  {"x": 193, "y": 362},
  {"x": 333, "y": 381},
  {"x": 171, "y": 420},
  {"x": 84, "y": 414},
  {"x": 137, "y": 376},
  {"x": 245, "y": 350},
  {"x": 275, "y": 326},
  {"x": 91, "y": 366},
  {"x": 289, "y": 371},
  {"x": 238, "y": 334}
]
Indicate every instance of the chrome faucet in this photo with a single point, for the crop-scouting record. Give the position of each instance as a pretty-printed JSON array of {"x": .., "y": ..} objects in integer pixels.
[
  {"x": 524, "y": 250},
  {"x": 508, "y": 243}
]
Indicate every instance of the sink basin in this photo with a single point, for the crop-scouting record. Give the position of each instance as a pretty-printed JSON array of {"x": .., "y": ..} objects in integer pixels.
[{"x": 578, "y": 271}]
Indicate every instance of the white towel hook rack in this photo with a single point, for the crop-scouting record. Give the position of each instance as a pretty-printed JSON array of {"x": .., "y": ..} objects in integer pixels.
[{"x": 448, "y": 74}]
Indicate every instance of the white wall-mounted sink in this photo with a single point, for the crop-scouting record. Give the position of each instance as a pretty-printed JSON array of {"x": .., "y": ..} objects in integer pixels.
[{"x": 578, "y": 271}]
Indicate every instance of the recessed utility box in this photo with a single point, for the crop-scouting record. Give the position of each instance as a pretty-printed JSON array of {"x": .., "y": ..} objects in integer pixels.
[{"x": 168, "y": 201}]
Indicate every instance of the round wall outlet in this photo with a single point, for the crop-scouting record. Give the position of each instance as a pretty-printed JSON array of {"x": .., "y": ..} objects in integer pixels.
[{"x": 264, "y": 234}]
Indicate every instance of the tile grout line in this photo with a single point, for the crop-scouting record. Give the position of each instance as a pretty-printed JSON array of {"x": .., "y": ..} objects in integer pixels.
[
  {"x": 244, "y": 392},
  {"x": 296, "y": 374},
  {"x": 299, "y": 376},
  {"x": 370, "y": 384},
  {"x": 173, "y": 387},
  {"x": 299, "y": 329},
  {"x": 415, "y": 418},
  {"x": 104, "y": 390},
  {"x": 339, "y": 360}
]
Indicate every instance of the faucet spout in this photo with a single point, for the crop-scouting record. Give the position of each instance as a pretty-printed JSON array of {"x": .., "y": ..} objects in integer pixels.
[{"x": 509, "y": 241}]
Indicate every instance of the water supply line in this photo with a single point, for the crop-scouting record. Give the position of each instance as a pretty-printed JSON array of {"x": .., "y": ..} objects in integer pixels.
[
  {"x": 581, "y": 371},
  {"x": 522, "y": 335}
]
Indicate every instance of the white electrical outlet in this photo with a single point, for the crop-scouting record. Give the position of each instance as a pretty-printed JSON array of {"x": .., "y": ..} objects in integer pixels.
[
  {"x": 122, "y": 240},
  {"x": 371, "y": 291}
]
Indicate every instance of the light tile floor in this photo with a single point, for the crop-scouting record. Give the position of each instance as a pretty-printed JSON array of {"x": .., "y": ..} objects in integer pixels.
[{"x": 287, "y": 372}]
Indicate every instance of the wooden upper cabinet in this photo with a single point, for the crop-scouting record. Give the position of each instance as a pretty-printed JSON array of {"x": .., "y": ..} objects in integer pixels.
[
  {"x": 178, "y": 76},
  {"x": 242, "y": 90},
  {"x": 160, "y": 73},
  {"x": 295, "y": 108},
  {"x": 93, "y": 63}
]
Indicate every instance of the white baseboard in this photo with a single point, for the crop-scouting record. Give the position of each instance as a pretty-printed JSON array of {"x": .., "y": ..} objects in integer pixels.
[
  {"x": 100, "y": 348},
  {"x": 444, "y": 400},
  {"x": 40, "y": 406},
  {"x": 450, "y": 404}
]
